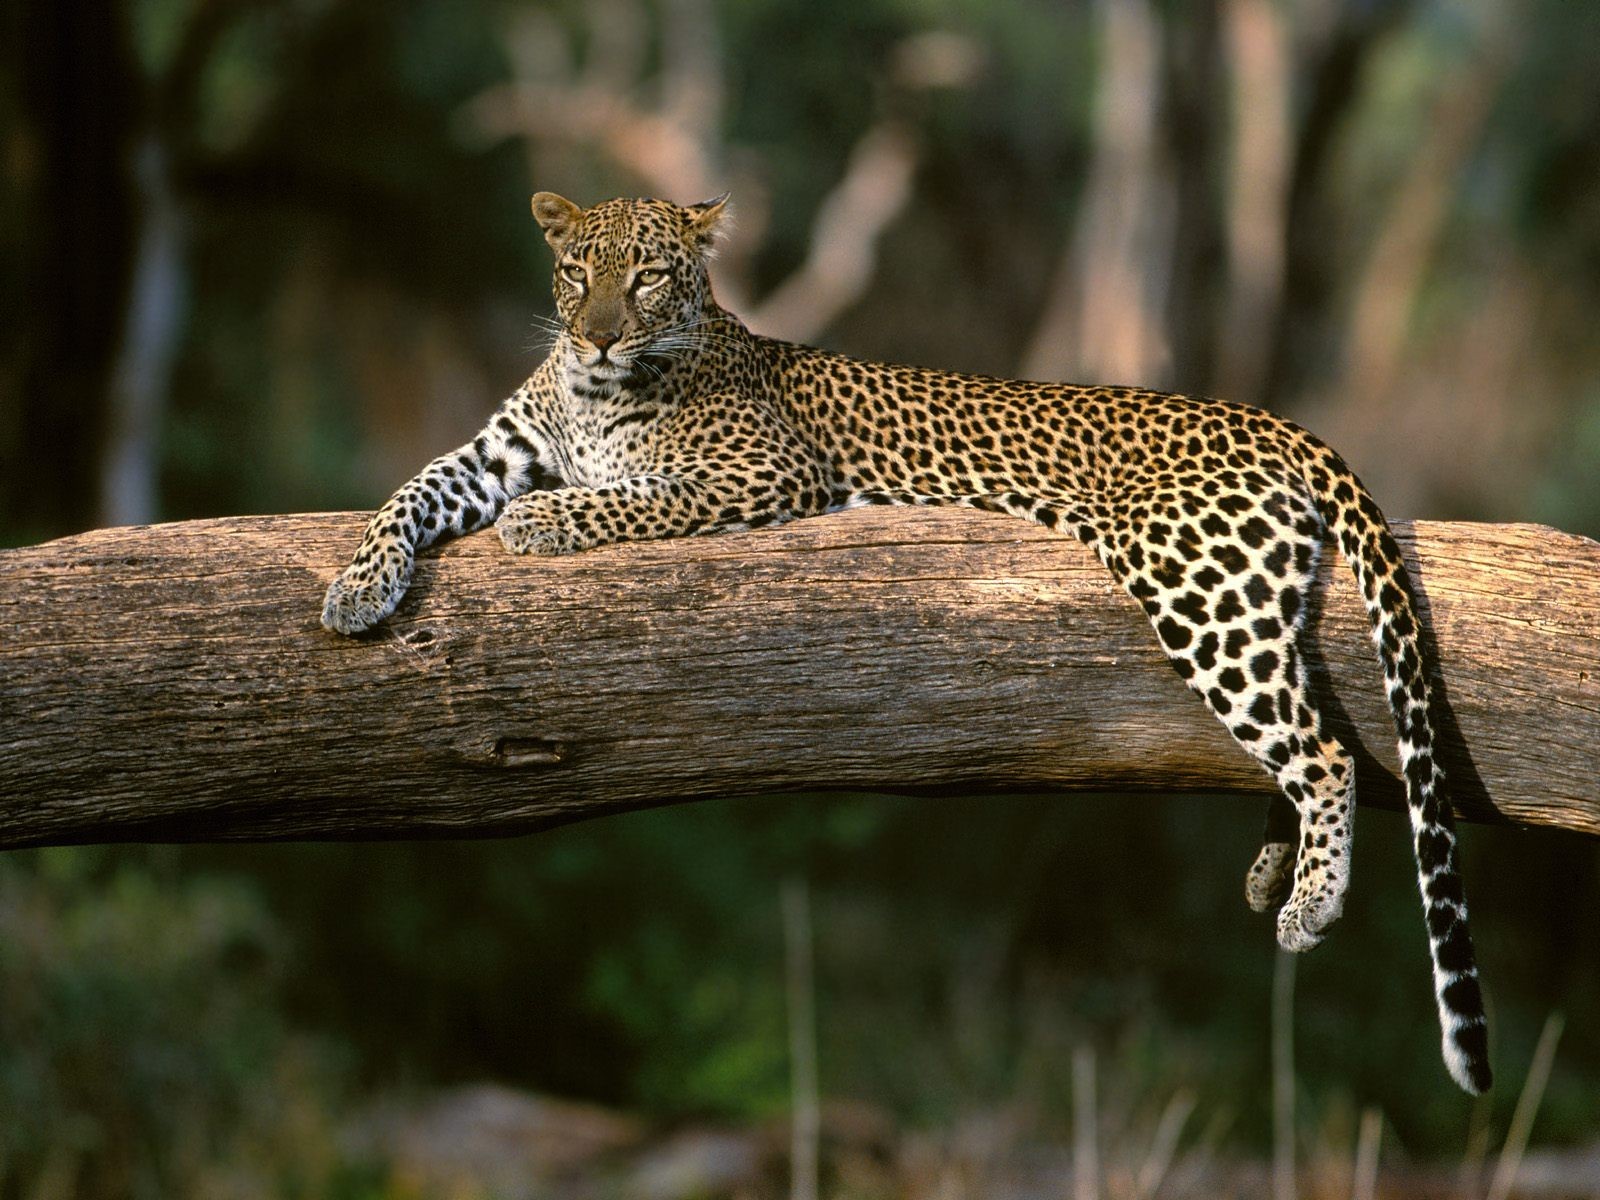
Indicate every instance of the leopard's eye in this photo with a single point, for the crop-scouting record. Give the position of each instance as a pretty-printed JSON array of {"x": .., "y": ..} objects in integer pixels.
[
  {"x": 574, "y": 273},
  {"x": 649, "y": 277}
]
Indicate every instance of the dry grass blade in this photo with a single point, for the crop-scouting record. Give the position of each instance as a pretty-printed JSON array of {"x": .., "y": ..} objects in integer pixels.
[
  {"x": 1365, "y": 1185},
  {"x": 802, "y": 1040},
  {"x": 1085, "y": 1147},
  {"x": 1168, "y": 1129},
  {"x": 1283, "y": 1077},
  {"x": 1505, "y": 1172}
]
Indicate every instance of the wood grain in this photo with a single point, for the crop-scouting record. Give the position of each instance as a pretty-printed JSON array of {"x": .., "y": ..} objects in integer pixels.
[{"x": 173, "y": 683}]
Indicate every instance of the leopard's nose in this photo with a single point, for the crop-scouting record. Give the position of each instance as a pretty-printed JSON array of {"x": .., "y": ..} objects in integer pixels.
[{"x": 603, "y": 339}]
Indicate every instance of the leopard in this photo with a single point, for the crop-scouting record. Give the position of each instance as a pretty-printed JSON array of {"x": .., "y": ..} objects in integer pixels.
[{"x": 658, "y": 414}]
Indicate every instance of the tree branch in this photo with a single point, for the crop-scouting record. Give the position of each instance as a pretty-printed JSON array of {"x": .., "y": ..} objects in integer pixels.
[
  {"x": 838, "y": 269},
  {"x": 172, "y": 682}
]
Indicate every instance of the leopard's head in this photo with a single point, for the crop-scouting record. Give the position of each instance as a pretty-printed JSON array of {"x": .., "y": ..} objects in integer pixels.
[{"x": 630, "y": 279}]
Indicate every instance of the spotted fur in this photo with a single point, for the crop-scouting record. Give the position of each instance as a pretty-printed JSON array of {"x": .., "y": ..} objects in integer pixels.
[{"x": 657, "y": 414}]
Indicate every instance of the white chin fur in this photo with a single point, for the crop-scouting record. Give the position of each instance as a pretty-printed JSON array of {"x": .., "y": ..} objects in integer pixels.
[
  {"x": 589, "y": 362},
  {"x": 597, "y": 372}
]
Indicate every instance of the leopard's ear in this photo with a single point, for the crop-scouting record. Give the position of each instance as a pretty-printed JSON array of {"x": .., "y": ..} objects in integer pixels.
[
  {"x": 706, "y": 222},
  {"x": 557, "y": 216}
]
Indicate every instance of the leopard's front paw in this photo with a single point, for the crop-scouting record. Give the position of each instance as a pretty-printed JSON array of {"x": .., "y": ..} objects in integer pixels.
[
  {"x": 532, "y": 525},
  {"x": 366, "y": 592},
  {"x": 354, "y": 604}
]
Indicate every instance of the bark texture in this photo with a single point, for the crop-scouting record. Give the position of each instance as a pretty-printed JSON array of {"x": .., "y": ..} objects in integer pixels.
[{"x": 173, "y": 683}]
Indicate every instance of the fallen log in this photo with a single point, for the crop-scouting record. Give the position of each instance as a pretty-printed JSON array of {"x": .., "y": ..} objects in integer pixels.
[{"x": 172, "y": 682}]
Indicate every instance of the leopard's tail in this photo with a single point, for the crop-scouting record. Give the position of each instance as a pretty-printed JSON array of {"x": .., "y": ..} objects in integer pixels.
[{"x": 1351, "y": 515}]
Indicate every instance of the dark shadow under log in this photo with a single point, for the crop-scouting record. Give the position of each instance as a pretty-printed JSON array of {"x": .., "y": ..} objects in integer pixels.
[{"x": 173, "y": 683}]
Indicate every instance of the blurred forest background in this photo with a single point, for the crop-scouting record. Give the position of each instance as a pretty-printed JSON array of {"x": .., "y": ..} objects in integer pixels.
[{"x": 272, "y": 255}]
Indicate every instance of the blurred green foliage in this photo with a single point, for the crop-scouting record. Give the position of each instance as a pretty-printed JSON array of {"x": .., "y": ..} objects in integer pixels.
[
  {"x": 155, "y": 1002},
  {"x": 144, "y": 1050}
]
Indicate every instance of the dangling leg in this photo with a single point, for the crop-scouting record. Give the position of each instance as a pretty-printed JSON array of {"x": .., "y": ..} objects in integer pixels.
[
  {"x": 1320, "y": 779},
  {"x": 1267, "y": 882},
  {"x": 1266, "y": 707},
  {"x": 1226, "y": 593}
]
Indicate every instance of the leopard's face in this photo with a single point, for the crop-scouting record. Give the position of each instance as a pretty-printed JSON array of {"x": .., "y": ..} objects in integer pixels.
[{"x": 630, "y": 281}]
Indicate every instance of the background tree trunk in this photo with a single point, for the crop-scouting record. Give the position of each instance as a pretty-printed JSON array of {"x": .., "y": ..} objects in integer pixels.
[
  {"x": 80, "y": 112},
  {"x": 173, "y": 682}
]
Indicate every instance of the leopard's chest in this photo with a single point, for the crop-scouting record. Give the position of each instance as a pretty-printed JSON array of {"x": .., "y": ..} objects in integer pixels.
[{"x": 608, "y": 443}]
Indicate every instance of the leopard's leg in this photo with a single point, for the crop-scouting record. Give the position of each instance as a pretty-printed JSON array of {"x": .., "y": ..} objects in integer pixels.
[
  {"x": 1263, "y": 700},
  {"x": 641, "y": 508},
  {"x": 1226, "y": 592},
  {"x": 454, "y": 494},
  {"x": 759, "y": 471},
  {"x": 1266, "y": 884},
  {"x": 1317, "y": 775},
  {"x": 650, "y": 507}
]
